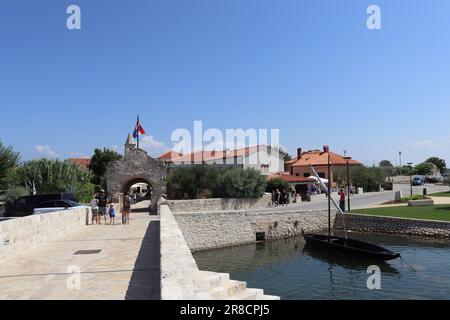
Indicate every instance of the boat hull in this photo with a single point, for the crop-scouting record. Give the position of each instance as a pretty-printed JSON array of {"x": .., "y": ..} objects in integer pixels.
[{"x": 351, "y": 247}]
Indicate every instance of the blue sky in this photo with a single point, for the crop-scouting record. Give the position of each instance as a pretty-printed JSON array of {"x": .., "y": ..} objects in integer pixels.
[{"x": 310, "y": 68}]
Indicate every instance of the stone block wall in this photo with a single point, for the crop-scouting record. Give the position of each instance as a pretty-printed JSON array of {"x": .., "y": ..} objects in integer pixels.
[
  {"x": 216, "y": 229},
  {"x": 365, "y": 223},
  {"x": 23, "y": 233},
  {"x": 218, "y": 204}
]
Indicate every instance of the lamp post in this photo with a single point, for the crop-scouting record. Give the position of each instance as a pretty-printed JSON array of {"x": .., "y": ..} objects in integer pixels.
[
  {"x": 400, "y": 155},
  {"x": 410, "y": 177},
  {"x": 347, "y": 159}
]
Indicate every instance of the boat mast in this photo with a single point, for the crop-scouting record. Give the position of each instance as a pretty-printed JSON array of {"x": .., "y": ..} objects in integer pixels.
[{"x": 329, "y": 198}]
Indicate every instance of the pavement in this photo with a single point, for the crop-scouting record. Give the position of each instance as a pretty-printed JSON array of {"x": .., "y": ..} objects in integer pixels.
[
  {"x": 366, "y": 200},
  {"x": 124, "y": 265}
]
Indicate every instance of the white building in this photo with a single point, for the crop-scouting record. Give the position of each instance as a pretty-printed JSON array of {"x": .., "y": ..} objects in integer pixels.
[{"x": 264, "y": 158}]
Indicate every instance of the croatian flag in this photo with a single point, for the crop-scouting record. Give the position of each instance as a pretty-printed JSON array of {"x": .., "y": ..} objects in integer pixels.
[{"x": 138, "y": 129}]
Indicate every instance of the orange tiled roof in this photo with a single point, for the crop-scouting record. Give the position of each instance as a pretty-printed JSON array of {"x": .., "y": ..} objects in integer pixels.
[
  {"x": 319, "y": 158},
  {"x": 203, "y": 156},
  {"x": 291, "y": 179},
  {"x": 82, "y": 162}
]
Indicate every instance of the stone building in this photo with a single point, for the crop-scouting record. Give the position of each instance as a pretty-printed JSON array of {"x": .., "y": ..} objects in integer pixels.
[{"x": 134, "y": 168}]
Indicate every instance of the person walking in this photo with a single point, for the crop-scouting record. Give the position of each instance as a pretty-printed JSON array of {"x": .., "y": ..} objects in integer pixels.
[
  {"x": 278, "y": 197},
  {"x": 94, "y": 208},
  {"x": 102, "y": 204},
  {"x": 126, "y": 209},
  {"x": 342, "y": 200}
]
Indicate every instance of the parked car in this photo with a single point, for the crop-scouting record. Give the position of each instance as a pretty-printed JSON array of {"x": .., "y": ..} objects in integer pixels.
[
  {"x": 25, "y": 206},
  {"x": 418, "y": 181},
  {"x": 58, "y": 205}
]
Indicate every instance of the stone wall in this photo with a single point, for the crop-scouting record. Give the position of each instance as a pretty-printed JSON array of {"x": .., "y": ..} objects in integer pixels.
[
  {"x": 23, "y": 233},
  {"x": 181, "y": 278},
  {"x": 218, "y": 204},
  {"x": 215, "y": 229},
  {"x": 365, "y": 223}
]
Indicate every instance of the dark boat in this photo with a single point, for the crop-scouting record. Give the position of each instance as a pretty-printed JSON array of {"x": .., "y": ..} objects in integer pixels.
[
  {"x": 352, "y": 247},
  {"x": 349, "y": 246}
]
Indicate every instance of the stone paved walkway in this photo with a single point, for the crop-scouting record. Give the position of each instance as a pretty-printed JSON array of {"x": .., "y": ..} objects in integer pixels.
[{"x": 127, "y": 268}]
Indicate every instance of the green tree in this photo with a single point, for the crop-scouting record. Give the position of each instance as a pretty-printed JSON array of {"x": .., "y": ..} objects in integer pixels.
[
  {"x": 203, "y": 181},
  {"x": 99, "y": 164},
  {"x": 369, "y": 178},
  {"x": 9, "y": 159},
  {"x": 238, "y": 183},
  {"x": 50, "y": 176},
  {"x": 386, "y": 164},
  {"x": 439, "y": 163},
  {"x": 425, "y": 169},
  {"x": 278, "y": 183},
  {"x": 192, "y": 182}
]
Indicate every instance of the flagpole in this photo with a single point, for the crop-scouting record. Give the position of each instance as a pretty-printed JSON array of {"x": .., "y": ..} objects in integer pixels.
[{"x": 137, "y": 128}]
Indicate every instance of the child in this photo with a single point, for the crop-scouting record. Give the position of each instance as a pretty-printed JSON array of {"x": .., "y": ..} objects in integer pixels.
[{"x": 112, "y": 215}]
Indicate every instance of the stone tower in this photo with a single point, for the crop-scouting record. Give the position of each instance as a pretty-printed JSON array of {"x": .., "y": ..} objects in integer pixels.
[{"x": 129, "y": 144}]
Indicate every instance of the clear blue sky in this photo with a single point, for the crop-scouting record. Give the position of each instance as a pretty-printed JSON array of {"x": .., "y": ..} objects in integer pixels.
[{"x": 308, "y": 67}]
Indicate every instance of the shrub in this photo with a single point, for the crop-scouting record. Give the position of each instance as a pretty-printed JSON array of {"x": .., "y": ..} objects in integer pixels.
[
  {"x": 278, "y": 183},
  {"x": 84, "y": 192},
  {"x": 237, "y": 183},
  {"x": 203, "y": 181}
]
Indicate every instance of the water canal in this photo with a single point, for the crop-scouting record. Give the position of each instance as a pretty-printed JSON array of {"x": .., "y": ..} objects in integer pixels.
[{"x": 286, "y": 268}]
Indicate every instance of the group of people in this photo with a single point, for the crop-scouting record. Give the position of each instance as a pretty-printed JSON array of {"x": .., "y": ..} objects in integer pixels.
[
  {"x": 283, "y": 198},
  {"x": 102, "y": 207}
]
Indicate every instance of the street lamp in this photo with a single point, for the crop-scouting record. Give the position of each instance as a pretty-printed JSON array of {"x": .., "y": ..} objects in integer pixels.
[
  {"x": 347, "y": 159},
  {"x": 400, "y": 155},
  {"x": 410, "y": 177}
]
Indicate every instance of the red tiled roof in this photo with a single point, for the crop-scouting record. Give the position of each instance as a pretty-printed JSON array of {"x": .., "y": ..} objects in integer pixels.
[
  {"x": 202, "y": 156},
  {"x": 169, "y": 155},
  {"x": 319, "y": 158},
  {"x": 82, "y": 162},
  {"x": 291, "y": 179}
]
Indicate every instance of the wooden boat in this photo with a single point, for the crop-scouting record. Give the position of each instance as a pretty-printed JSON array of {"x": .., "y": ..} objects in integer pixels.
[
  {"x": 345, "y": 245},
  {"x": 349, "y": 246}
]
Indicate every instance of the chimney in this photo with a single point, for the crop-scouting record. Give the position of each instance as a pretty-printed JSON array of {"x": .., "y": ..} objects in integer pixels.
[
  {"x": 299, "y": 153},
  {"x": 326, "y": 149}
]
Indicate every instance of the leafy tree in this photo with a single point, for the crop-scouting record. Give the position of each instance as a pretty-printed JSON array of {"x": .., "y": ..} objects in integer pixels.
[
  {"x": 85, "y": 191},
  {"x": 439, "y": 163},
  {"x": 50, "y": 176},
  {"x": 369, "y": 178},
  {"x": 9, "y": 159},
  {"x": 278, "y": 183},
  {"x": 238, "y": 183},
  {"x": 191, "y": 182},
  {"x": 425, "y": 169},
  {"x": 99, "y": 164},
  {"x": 386, "y": 164},
  {"x": 203, "y": 181}
]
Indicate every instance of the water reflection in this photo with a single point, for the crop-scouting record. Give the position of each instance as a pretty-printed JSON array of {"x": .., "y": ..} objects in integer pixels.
[{"x": 289, "y": 269}]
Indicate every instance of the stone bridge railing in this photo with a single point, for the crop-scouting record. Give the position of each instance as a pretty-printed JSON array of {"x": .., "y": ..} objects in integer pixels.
[{"x": 23, "y": 233}]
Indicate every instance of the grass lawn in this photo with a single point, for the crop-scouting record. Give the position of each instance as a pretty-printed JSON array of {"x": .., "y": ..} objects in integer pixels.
[
  {"x": 440, "y": 194},
  {"x": 441, "y": 212}
]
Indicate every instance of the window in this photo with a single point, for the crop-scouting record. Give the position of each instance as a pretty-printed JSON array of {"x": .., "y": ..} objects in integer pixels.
[
  {"x": 297, "y": 174},
  {"x": 321, "y": 175},
  {"x": 306, "y": 175},
  {"x": 265, "y": 168}
]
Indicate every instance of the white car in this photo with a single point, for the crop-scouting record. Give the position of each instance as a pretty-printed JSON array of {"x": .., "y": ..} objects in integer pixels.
[{"x": 57, "y": 205}]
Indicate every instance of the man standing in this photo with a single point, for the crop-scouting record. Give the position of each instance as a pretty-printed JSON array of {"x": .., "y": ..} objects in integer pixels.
[
  {"x": 126, "y": 209},
  {"x": 342, "y": 200},
  {"x": 102, "y": 204}
]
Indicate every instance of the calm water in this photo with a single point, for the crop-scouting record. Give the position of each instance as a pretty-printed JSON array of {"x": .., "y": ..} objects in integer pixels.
[{"x": 285, "y": 268}]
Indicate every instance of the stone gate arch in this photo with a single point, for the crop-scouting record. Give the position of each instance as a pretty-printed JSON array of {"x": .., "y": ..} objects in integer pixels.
[{"x": 137, "y": 166}]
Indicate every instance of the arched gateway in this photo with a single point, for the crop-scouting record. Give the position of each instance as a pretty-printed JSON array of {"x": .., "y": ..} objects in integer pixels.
[{"x": 137, "y": 167}]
